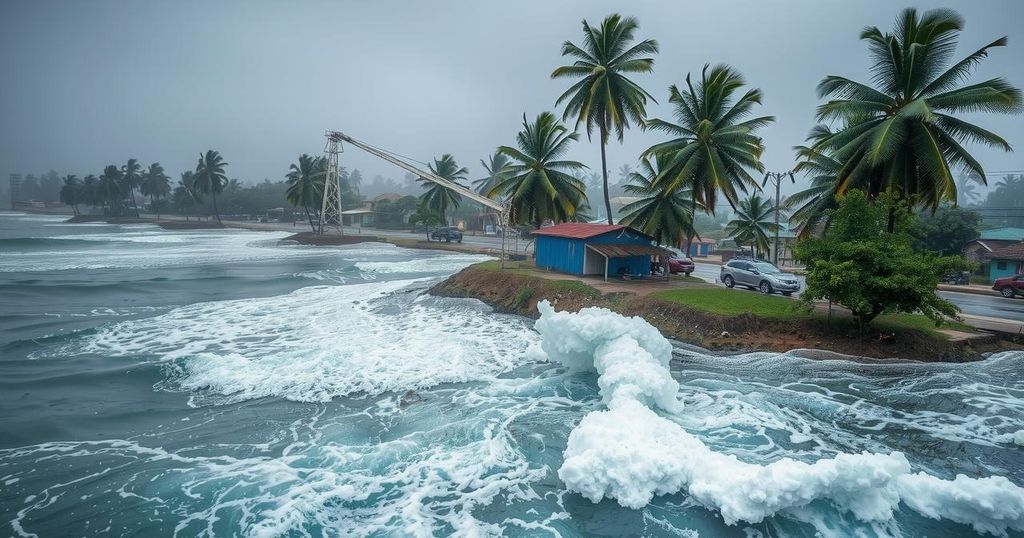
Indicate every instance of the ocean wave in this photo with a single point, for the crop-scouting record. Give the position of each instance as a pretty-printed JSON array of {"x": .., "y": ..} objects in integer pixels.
[
  {"x": 630, "y": 453},
  {"x": 318, "y": 343}
]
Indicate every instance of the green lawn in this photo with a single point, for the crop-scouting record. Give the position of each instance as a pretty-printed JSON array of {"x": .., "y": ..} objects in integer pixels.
[{"x": 733, "y": 302}]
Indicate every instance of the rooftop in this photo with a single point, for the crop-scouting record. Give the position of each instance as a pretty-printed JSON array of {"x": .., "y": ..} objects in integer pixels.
[
  {"x": 1010, "y": 252},
  {"x": 580, "y": 230},
  {"x": 1006, "y": 234}
]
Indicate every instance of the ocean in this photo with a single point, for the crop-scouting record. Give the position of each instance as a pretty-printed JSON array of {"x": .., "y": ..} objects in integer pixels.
[{"x": 230, "y": 383}]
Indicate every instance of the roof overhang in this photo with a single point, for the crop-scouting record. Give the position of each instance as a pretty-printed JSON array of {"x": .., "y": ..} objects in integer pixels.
[{"x": 625, "y": 251}]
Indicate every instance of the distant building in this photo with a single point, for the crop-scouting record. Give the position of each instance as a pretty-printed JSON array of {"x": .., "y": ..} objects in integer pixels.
[
  {"x": 1006, "y": 261},
  {"x": 596, "y": 249},
  {"x": 15, "y": 189}
]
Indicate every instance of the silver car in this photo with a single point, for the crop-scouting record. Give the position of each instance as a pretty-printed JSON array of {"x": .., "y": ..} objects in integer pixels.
[{"x": 759, "y": 275}]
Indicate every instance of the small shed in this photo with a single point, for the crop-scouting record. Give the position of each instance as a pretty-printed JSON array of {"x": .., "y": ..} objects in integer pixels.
[
  {"x": 701, "y": 247},
  {"x": 596, "y": 249},
  {"x": 1006, "y": 261}
]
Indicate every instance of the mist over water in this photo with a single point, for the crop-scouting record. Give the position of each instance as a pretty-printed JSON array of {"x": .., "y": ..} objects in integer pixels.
[{"x": 227, "y": 383}]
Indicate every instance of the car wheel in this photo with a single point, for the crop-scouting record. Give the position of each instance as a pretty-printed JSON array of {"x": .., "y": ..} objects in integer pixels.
[
  {"x": 460, "y": 240},
  {"x": 765, "y": 287},
  {"x": 1007, "y": 292},
  {"x": 688, "y": 273},
  {"x": 787, "y": 293},
  {"x": 447, "y": 239},
  {"x": 727, "y": 280}
]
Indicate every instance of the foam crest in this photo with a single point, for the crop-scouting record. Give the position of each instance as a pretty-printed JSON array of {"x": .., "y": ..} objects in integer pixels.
[
  {"x": 630, "y": 453},
  {"x": 318, "y": 343}
]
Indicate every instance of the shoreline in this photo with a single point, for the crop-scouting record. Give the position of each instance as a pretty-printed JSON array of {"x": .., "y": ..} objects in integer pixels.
[{"x": 516, "y": 293}]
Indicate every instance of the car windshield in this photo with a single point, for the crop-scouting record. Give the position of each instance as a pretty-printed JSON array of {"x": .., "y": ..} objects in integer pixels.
[{"x": 765, "y": 268}]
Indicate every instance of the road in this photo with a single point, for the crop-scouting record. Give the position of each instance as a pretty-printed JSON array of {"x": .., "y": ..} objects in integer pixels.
[
  {"x": 977, "y": 305},
  {"x": 969, "y": 303}
]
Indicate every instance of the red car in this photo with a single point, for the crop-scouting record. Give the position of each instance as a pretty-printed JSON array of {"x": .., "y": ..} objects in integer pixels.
[
  {"x": 678, "y": 265},
  {"x": 1010, "y": 286}
]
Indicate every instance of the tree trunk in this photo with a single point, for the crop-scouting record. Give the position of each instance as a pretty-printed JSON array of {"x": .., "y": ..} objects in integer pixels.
[
  {"x": 131, "y": 190},
  {"x": 693, "y": 220},
  {"x": 604, "y": 173},
  {"x": 215, "y": 210},
  {"x": 309, "y": 217}
]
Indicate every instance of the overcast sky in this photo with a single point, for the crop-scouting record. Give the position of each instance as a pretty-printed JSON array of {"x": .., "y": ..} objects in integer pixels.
[{"x": 87, "y": 83}]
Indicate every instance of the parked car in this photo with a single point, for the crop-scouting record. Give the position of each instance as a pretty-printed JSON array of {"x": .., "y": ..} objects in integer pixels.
[
  {"x": 962, "y": 278},
  {"x": 446, "y": 234},
  {"x": 680, "y": 264},
  {"x": 759, "y": 275},
  {"x": 1010, "y": 286}
]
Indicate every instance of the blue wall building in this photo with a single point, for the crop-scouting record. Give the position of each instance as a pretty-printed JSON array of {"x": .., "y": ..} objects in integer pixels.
[{"x": 595, "y": 249}]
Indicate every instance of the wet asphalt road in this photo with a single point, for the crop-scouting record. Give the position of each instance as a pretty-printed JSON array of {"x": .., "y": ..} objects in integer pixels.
[{"x": 969, "y": 303}]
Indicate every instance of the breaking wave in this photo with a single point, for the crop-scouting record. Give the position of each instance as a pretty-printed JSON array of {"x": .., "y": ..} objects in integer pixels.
[
  {"x": 318, "y": 343},
  {"x": 630, "y": 453}
]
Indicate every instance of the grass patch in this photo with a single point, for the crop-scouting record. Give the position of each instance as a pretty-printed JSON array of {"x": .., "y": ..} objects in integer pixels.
[
  {"x": 575, "y": 286},
  {"x": 899, "y": 322},
  {"x": 522, "y": 297},
  {"x": 734, "y": 302}
]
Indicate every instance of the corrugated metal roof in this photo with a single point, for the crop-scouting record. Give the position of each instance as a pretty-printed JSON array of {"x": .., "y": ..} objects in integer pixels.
[
  {"x": 1006, "y": 234},
  {"x": 625, "y": 251},
  {"x": 1011, "y": 252},
  {"x": 579, "y": 230}
]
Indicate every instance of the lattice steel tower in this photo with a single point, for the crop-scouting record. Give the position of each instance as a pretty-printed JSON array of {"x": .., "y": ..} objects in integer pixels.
[{"x": 330, "y": 208}]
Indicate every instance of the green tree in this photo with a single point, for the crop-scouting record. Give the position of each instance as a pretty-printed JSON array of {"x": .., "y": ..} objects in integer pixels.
[
  {"x": 110, "y": 190},
  {"x": 603, "y": 97},
  {"x": 184, "y": 196},
  {"x": 305, "y": 182},
  {"x": 131, "y": 177},
  {"x": 902, "y": 135},
  {"x": 494, "y": 166},
  {"x": 715, "y": 146},
  {"x": 156, "y": 184},
  {"x": 423, "y": 215},
  {"x": 439, "y": 199},
  {"x": 90, "y": 191},
  {"x": 753, "y": 223},
  {"x": 946, "y": 231},
  {"x": 665, "y": 215},
  {"x": 538, "y": 183},
  {"x": 210, "y": 178},
  {"x": 812, "y": 206},
  {"x": 857, "y": 264},
  {"x": 71, "y": 192}
]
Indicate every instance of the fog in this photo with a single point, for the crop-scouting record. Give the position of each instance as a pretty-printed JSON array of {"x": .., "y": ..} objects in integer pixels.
[{"x": 91, "y": 83}]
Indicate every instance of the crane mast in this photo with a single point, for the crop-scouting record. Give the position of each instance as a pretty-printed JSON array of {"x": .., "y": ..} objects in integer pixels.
[{"x": 335, "y": 137}]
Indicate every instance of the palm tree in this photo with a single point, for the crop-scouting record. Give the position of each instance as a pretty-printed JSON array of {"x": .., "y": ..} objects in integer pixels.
[
  {"x": 664, "y": 215},
  {"x": 185, "y": 196},
  {"x": 812, "y": 206},
  {"x": 755, "y": 220},
  {"x": 967, "y": 189},
  {"x": 110, "y": 189},
  {"x": 604, "y": 97},
  {"x": 439, "y": 199},
  {"x": 716, "y": 145},
  {"x": 210, "y": 178},
  {"x": 155, "y": 184},
  {"x": 494, "y": 166},
  {"x": 625, "y": 174},
  {"x": 538, "y": 183},
  {"x": 90, "y": 191},
  {"x": 305, "y": 182},
  {"x": 71, "y": 193},
  {"x": 131, "y": 177},
  {"x": 905, "y": 137}
]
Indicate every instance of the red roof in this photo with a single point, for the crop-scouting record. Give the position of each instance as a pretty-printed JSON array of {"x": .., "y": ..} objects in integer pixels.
[
  {"x": 1010, "y": 252},
  {"x": 579, "y": 230}
]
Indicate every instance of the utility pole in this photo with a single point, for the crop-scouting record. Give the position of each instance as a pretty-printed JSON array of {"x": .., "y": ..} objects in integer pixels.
[{"x": 777, "y": 178}]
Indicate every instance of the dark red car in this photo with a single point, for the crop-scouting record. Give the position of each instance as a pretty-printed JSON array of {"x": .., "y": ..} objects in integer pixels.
[
  {"x": 678, "y": 265},
  {"x": 1010, "y": 286}
]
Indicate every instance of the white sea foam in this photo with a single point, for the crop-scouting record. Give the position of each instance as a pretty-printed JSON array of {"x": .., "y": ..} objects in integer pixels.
[
  {"x": 318, "y": 343},
  {"x": 447, "y": 263},
  {"x": 631, "y": 453}
]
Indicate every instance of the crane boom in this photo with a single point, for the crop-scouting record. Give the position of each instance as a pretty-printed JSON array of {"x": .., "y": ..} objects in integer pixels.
[{"x": 429, "y": 176}]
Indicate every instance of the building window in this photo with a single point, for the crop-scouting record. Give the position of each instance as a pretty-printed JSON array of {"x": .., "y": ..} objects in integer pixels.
[{"x": 1001, "y": 266}]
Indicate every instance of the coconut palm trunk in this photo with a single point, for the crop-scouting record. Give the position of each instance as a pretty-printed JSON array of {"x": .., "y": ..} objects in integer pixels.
[{"x": 604, "y": 170}]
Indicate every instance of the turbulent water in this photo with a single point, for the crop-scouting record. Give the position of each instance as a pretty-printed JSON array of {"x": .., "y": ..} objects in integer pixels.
[{"x": 227, "y": 383}]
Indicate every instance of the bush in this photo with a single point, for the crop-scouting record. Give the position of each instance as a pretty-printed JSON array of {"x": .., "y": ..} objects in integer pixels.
[{"x": 870, "y": 271}]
